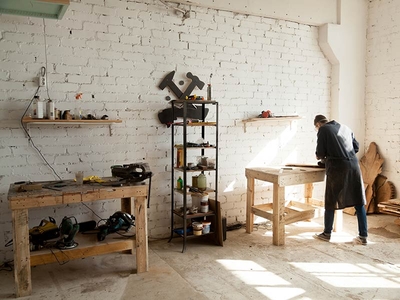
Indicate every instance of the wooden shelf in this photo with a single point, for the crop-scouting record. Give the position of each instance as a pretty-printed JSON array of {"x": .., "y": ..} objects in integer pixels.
[
  {"x": 87, "y": 246},
  {"x": 283, "y": 118},
  {"x": 68, "y": 122},
  {"x": 194, "y": 124},
  {"x": 270, "y": 120},
  {"x": 30, "y": 121},
  {"x": 194, "y": 216}
]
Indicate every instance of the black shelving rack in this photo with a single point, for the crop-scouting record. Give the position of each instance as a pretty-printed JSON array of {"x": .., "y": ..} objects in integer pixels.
[{"x": 183, "y": 216}]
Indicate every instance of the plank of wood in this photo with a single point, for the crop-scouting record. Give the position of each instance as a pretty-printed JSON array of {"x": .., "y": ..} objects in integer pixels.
[
  {"x": 87, "y": 246},
  {"x": 370, "y": 165},
  {"x": 305, "y": 166}
]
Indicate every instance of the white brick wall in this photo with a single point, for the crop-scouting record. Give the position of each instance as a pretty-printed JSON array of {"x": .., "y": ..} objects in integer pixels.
[
  {"x": 382, "y": 104},
  {"x": 116, "y": 53}
]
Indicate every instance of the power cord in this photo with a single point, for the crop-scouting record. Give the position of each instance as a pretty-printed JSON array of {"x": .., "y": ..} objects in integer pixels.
[
  {"x": 45, "y": 58},
  {"x": 30, "y": 138},
  {"x": 7, "y": 266}
]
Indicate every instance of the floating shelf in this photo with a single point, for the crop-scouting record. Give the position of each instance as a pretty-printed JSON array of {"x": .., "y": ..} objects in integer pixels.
[
  {"x": 270, "y": 120},
  {"x": 68, "y": 122},
  {"x": 50, "y": 9},
  {"x": 30, "y": 121},
  {"x": 288, "y": 118}
]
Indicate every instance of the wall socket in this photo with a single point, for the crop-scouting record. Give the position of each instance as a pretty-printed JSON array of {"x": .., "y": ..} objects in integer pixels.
[{"x": 42, "y": 81}]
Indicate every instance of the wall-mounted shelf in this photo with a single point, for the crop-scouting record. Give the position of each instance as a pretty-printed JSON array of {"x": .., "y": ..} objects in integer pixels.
[
  {"x": 50, "y": 9},
  {"x": 270, "y": 120},
  {"x": 30, "y": 121}
]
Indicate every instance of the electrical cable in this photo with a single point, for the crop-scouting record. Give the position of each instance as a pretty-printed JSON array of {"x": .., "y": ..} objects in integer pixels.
[
  {"x": 7, "y": 266},
  {"x": 30, "y": 138},
  {"x": 186, "y": 13},
  {"x": 45, "y": 58}
]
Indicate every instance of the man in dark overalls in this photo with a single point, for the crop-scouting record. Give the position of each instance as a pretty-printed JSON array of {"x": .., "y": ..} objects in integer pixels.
[{"x": 337, "y": 147}]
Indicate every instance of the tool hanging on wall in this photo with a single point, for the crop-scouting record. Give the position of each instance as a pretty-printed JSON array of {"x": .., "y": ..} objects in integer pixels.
[{"x": 168, "y": 82}]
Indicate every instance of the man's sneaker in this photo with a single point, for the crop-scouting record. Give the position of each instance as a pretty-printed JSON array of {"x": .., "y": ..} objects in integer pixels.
[
  {"x": 322, "y": 236},
  {"x": 360, "y": 240}
]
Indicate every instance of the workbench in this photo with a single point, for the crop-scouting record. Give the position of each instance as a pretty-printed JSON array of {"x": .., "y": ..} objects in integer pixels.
[
  {"x": 21, "y": 202},
  {"x": 280, "y": 212}
]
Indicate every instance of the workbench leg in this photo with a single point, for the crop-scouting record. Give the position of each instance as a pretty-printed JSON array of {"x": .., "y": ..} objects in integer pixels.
[
  {"x": 308, "y": 192},
  {"x": 142, "y": 250},
  {"x": 249, "y": 205},
  {"x": 22, "y": 260},
  {"x": 278, "y": 216}
]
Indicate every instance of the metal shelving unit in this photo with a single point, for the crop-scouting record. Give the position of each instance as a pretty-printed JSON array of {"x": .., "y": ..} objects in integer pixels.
[{"x": 182, "y": 216}]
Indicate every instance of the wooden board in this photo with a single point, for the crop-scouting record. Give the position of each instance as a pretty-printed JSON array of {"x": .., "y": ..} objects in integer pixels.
[
  {"x": 88, "y": 246},
  {"x": 371, "y": 166},
  {"x": 305, "y": 166},
  {"x": 215, "y": 206}
]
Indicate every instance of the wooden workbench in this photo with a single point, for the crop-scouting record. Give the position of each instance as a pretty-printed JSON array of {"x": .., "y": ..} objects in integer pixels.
[
  {"x": 21, "y": 202},
  {"x": 279, "y": 212}
]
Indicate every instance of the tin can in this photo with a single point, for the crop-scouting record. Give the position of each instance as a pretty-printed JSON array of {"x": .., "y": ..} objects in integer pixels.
[
  {"x": 179, "y": 158},
  {"x": 194, "y": 181}
]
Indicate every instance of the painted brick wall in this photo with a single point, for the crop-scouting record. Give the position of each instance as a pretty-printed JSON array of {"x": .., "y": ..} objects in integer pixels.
[
  {"x": 116, "y": 53},
  {"x": 382, "y": 103}
]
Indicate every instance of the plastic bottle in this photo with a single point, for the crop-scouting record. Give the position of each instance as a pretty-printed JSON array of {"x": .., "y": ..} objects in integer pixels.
[
  {"x": 202, "y": 182},
  {"x": 179, "y": 183},
  {"x": 37, "y": 108},
  {"x": 50, "y": 110}
]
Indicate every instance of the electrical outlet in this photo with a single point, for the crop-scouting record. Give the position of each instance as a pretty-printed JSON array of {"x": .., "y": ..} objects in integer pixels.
[{"x": 42, "y": 81}]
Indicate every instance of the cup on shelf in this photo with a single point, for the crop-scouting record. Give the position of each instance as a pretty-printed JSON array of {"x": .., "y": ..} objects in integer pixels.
[{"x": 79, "y": 177}]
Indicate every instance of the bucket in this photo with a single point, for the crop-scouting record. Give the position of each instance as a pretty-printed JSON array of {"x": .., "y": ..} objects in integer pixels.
[
  {"x": 197, "y": 228},
  {"x": 204, "y": 205},
  {"x": 197, "y": 198},
  {"x": 206, "y": 226},
  {"x": 197, "y": 225}
]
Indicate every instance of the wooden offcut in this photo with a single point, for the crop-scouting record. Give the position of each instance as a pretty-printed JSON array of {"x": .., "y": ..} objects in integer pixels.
[{"x": 371, "y": 166}]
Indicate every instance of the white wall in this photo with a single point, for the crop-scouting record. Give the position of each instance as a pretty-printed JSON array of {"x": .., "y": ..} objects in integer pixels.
[
  {"x": 345, "y": 47},
  {"x": 311, "y": 12},
  {"x": 383, "y": 81},
  {"x": 116, "y": 53}
]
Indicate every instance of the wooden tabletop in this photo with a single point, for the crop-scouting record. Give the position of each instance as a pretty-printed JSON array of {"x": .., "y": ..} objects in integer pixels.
[{"x": 67, "y": 191}]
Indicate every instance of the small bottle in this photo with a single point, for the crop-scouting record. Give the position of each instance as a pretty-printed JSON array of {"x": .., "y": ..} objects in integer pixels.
[
  {"x": 37, "y": 108},
  {"x": 78, "y": 113},
  {"x": 179, "y": 183},
  {"x": 50, "y": 110}
]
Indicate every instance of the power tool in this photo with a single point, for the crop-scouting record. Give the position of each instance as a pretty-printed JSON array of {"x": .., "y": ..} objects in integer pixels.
[
  {"x": 46, "y": 230},
  {"x": 68, "y": 229},
  {"x": 118, "y": 221},
  {"x": 133, "y": 173}
]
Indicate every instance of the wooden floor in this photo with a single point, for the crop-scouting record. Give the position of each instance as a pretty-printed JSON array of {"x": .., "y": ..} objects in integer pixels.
[{"x": 248, "y": 266}]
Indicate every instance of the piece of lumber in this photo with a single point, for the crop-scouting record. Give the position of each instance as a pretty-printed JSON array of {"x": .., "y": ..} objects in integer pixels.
[
  {"x": 370, "y": 165},
  {"x": 385, "y": 190}
]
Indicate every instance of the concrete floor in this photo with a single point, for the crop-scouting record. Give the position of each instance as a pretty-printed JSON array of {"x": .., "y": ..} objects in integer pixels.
[{"x": 247, "y": 267}]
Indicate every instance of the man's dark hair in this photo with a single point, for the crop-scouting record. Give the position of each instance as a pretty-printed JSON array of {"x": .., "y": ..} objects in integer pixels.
[{"x": 321, "y": 119}]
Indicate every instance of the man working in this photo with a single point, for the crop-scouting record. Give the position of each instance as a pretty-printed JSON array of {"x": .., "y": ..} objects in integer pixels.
[{"x": 337, "y": 147}]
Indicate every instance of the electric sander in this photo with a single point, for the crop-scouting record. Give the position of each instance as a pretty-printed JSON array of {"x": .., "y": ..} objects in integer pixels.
[{"x": 68, "y": 229}]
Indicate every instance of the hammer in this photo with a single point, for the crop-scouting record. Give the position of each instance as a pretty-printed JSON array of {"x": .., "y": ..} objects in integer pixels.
[{"x": 167, "y": 82}]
